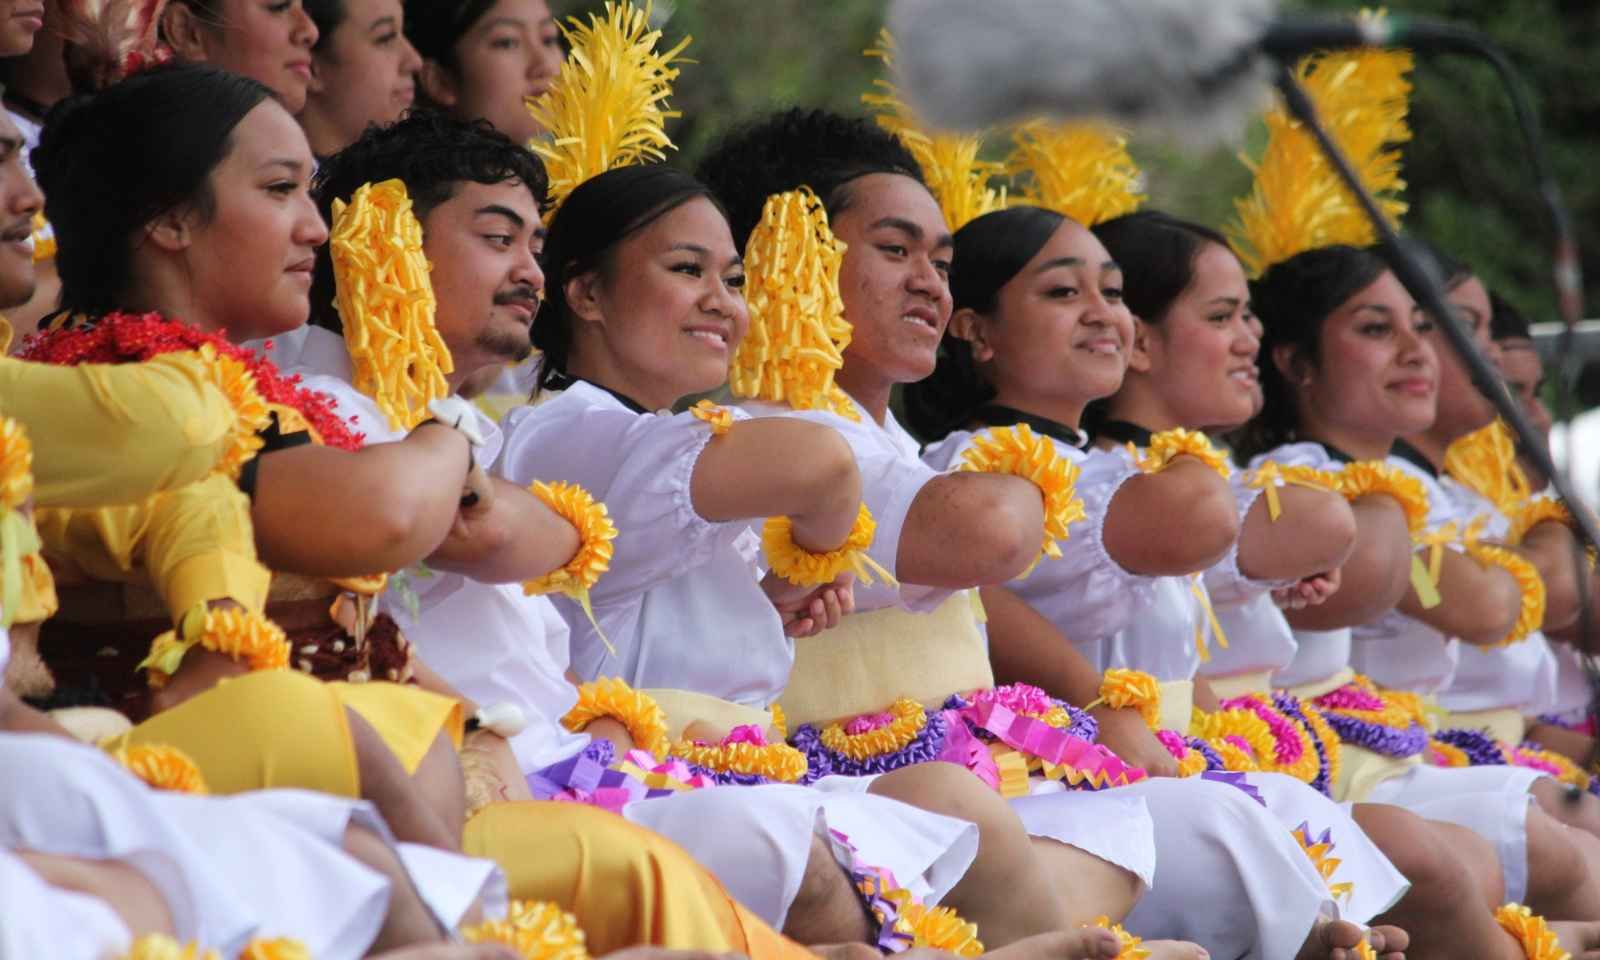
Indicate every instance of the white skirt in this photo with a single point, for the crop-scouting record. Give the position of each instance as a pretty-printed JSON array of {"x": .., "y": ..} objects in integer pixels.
[
  {"x": 756, "y": 840},
  {"x": 44, "y": 921},
  {"x": 1490, "y": 801}
]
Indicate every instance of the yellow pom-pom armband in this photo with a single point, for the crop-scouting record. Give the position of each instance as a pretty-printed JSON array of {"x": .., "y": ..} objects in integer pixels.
[
  {"x": 242, "y": 635},
  {"x": 386, "y": 303},
  {"x": 1370, "y": 477},
  {"x": 277, "y": 948},
  {"x": 1021, "y": 452},
  {"x": 1537, "y": 940},
  {"x": 1530, "y": 615},
  {"x": 577, "y": 576},
  {"x": 801, "y": 567},
  {"x": 1544, "y": 510},
  {"x": 611, "y": 697},
  {"x": 536, "y": 930},
  {"x": 798, "y": 332},
  {"x": 1270, "y": 476},
  {"x": 162, "y": 767},
  {"x": 250, "y": 412},
  {"x": 1121, "y": 688},
  {"x": 1167, "y": 445},
  {"x": 19, "y": 540}
]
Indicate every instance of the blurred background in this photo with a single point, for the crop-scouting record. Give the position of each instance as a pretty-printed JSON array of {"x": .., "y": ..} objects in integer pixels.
[{"x": 1468, "y": 187}]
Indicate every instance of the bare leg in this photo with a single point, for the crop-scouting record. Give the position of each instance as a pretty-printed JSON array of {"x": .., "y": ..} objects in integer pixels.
[
  {"x": 1561, "y": 880},
  {"x": 1009, "y": 891},
  {"x": 826, "y": 908},
  {"x": 1090, "y": 886},
  {"x": 443, "y": 786},
  {"x": 404, "y": 807},
  {"x": 1575, "y": 808},
  {"x": 408, "y": 920},
  {"x": 122, "y": 888}
]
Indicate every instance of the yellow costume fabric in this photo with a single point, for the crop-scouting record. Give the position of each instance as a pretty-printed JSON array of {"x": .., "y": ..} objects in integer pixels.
[
  {"x": 281, "y": 728},
  {"x": 195, "y": 544},
  {"x": 626, "y": 886},
  {"x": 873, "y": 659},
  {"x": 108, "y": 434},
  {"x": 39, "y": 600}
]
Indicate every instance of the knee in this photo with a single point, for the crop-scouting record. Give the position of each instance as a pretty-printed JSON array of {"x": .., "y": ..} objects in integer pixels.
[
  {"x": 1554, "y": 860},
  {"x": 1441, "y": 872},
  {"x": 953, "y": 791},
  {"x": 1576, "y": 808},
  {"x": 370, "y": 849}
]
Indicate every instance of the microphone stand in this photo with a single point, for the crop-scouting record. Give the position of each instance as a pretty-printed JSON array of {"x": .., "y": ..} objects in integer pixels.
[{"x": 1420, "y": 282}]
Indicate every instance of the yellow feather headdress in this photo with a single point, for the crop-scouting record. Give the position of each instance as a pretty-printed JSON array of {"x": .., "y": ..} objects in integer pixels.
[
  {"x": 797, "y": 327},
  {"x": 1297, "y": 202},
  {"x": 1079, "y": 170},
  {"x": 957, "y": 178},
  {"x": 386, "y": 304},
  {"x": 608, "y": 106}
]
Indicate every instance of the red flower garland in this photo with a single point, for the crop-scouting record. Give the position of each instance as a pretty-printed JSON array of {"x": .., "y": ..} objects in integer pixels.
[{"x": 134, "y": 338}]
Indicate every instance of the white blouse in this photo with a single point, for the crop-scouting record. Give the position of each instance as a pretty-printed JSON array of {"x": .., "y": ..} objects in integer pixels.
[
  {"x": 1259, "y": 638},
  {"x": 1114, "y": 617},
  {"x": 682, "y": 604}
]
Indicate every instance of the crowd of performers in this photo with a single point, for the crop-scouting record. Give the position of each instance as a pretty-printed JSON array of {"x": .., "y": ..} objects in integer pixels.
[{"x": 436, "y": 526}]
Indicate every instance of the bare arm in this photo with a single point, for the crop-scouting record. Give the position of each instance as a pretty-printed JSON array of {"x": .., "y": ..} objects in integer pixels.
[
  {"x": 1315, "y": 533},
  {"x": 1374, "y": 576},
  {"x": 1553, "y": 550},
  {"x": 970, "y": 529},
  {"x": 324, "y": 512},
  {"x": 517, "y": 538},
  {"x": 781, "y": 466},
  {"x": 1480, "y": 605},
  {"x": 1173, "y": 523}
]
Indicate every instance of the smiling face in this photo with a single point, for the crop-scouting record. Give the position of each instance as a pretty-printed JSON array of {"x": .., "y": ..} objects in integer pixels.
[
  {"x": 895, "y": 279},
  {"x": 19, "y": 201},
  {"x": 1376, "y": 377},
  {"x": 484, "y": 244},
  {"x": 1059, "y": 335},
  {"x": 267, "y": 40},
  {"x": 365, "y": 73},
  {"x": 249, "y": 263},
  {"x": 1199, "y": 360},
  {"x": 20, "y": 20},
  {"x": 510, "y": 53},
  {"x": 660, "y": 318}
]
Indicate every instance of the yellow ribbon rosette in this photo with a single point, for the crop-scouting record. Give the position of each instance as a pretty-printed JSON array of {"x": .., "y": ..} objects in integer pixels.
[
  {"x": 595, "y": 535},
  {"x": 1019, "y": 451}
]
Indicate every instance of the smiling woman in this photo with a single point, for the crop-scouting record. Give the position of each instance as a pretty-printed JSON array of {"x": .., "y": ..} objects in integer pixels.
[
  {"x": 20, "y": 20},
  {"x": 268, "y": 41},
  {"x": 363, "y": 71},
  {"x": 482, "y": 59}
]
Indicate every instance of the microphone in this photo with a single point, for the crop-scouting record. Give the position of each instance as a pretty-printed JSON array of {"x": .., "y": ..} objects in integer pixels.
[{"x": 1199, "y": 70}]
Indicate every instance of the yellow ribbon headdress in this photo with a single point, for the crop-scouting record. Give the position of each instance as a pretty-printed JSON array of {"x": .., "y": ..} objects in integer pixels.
[
  {"x": 1079, "y": 170},
  {"x": 1298, "y": 202},
  {"x": 386, "y": 304},
  {"x": 797, "y": 327},
  {"x": 958, "y": 180},
  {"x": 607, "y": 107}
]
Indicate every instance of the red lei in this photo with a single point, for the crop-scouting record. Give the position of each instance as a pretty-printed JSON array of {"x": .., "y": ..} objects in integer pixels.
[{"x": 134, "y": 338}]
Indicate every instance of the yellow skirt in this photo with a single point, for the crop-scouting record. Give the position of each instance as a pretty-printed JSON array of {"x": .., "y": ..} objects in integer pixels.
[
  {"x": 627, "y": 886},
  {"x": 281, "y": 728}
]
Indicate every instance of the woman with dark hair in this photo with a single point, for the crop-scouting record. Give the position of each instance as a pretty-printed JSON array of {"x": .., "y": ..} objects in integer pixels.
[
  {"x": 363, "y": 71},
  {"x": 267, "y": 42},
  {"x": 484, "y": 59}
]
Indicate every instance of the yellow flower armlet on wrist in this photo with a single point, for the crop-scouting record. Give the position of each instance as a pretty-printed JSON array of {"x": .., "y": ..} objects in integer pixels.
[
  {"x": 612, "y": 697},
  {"x": 162, "y": 767},
  {"x": 1169, "y": 444},
  {"x": 247, "y": 637},
  {"x": 1022, "y": 453},
  {"x": 536, "y": 930},
  {"x": 1270, "y": 476},
  {"x": 1544, "y": 510},
  {"x": 1530, "y": 615},
  {"x": 595, "y": 533},
  {"x": 1121, "y": 688},
  {"x": 250, "y": 412},
  {"x": 18, "y": 537},
  {"x": 386, "y": 304},
  {"x": 803, "y": 568},
  {"x": 1370, "y": 477},
  {"x": 1532, "y": 933}
]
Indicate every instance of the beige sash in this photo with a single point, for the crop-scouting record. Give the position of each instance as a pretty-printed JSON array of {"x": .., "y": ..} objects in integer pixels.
[
  {"x": 1505, "y": 724},
  {"x": 1177, "y": 705},
  {"x": 1359, "y": 768},
  {"x": 872, "y": 659},
  {"x": 1239, "y": 684},
  {"x": 684, "y": 707}
]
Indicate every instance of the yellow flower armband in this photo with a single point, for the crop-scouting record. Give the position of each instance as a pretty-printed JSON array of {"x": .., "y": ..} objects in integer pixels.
[
  {"x": 247, "y": 637},
  {"x": 595, "y": 532},
  {"x": 1121, "y": 688},
  {"x": 1022, "y": 453},
  {"x": 1370, "y": 477},
  {"x": 162, "y": 767},
  {"x": 1543, "y": 510},
  {"x": 277, "y": 948},
  {"x": 803, "y": 568},
  {"x": 1537, "y": 940},
  {"x": 19, "y": 539},
  {"x": 1170, "y": 444},
  {"x": 612, "y": 697},
  {"x": 1530, "y": 616},
  {"x": 251, "y": 414},
  {"x": 535, "y": 930},
  {"x": 1270, "y": 476}
]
